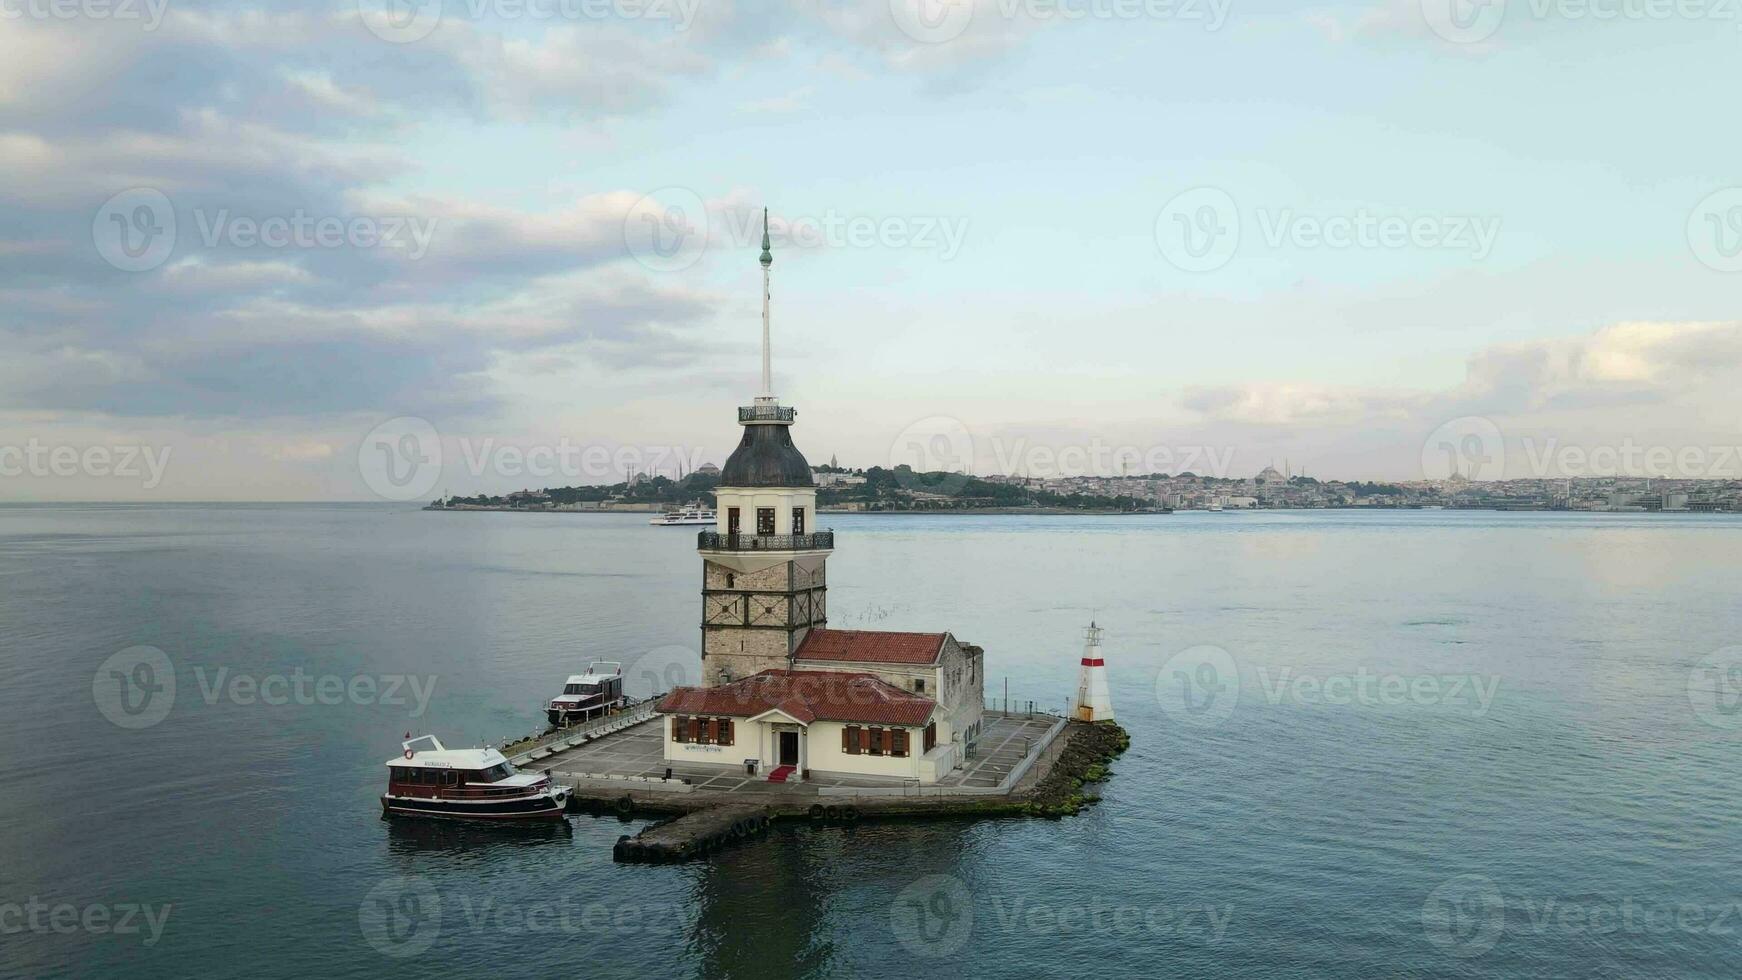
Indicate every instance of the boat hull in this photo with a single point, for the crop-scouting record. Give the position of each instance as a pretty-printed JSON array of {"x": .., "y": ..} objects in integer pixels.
[{"x": 543, "y": 806}]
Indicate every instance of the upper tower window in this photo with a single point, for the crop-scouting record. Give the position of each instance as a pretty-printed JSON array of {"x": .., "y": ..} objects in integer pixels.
[
  {"x": 798, "y": 520},
  {"x": 765, "y": 520}
]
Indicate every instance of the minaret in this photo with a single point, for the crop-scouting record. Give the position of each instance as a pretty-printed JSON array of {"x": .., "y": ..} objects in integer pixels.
[
  {"x": 764, "y": 580},
  {"x": 1093, "y": 701}
]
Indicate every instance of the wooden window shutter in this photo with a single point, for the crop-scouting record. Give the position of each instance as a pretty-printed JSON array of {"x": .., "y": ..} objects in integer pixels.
[
  {"x": 695, "y": 729},
  {"x": 888, "y": 741},
  {"x": 850, "y": 740},
  {"x": 714, "y": 730},
  {"x": 725, "y": 731},
  {"x": 900, "y": 743},
  {"x": 678, "y": 724}
]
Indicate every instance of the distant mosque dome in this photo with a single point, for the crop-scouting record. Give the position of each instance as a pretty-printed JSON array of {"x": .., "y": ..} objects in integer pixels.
[{"x": 1270, "y": 475}]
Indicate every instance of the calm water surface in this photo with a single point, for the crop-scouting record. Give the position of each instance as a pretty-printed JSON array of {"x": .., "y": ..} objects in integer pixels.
[{"x": 1529, "y": 786}]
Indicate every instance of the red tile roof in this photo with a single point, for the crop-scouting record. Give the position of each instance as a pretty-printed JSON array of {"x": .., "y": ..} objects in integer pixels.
[
  {"x": 807, "y": 695},
  {"x": 871, "y": 647}
]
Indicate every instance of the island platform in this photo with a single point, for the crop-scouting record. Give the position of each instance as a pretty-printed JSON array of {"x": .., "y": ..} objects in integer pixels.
[{"x": 1027, "y": 763}]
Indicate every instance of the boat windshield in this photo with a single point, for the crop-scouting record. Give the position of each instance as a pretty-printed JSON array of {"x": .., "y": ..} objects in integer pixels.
[
  {"x": 581, "y": 689},
  {"x": 495, "y": 773}
]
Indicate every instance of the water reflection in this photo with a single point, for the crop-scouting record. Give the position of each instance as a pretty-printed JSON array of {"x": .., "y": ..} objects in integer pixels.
[{"x": 411, "y": 837}]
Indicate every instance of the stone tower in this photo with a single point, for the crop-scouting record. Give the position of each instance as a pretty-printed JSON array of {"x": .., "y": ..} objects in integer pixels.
[{"x": 764, "y": 566}]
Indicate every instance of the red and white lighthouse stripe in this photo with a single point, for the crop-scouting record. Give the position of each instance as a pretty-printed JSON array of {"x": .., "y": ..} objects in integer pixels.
[{"x": 1094, "y": 703}]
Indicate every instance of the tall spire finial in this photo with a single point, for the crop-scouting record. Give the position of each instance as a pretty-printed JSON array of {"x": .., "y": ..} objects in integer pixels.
[{"x": 767, "y": 358}]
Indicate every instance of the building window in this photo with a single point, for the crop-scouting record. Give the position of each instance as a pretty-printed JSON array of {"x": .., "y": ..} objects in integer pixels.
[
  {"x": 695, "y": 729},
  {"x": 931, "y": 736},
  {"x": 919, "y": 684},
  {"x": 680, "y": 728},
  {"x": 798, "y": 520},
  {"x": 725, "y": 731},
  {"x": 765, "y": 520},
  {"x": 731, "y": 580},
  {"x": 732, "y": 520},
  {"x": 710, "y": 731},
  {"x": 875, "y": 746},
  {"x": 850, "y": 740},
  {"x": 898, "y": 747}
]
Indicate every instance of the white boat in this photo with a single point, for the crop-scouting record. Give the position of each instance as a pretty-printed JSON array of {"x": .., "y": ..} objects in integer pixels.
[
  {"x": 466, "y": 784},
  {"x": 687, "y": 516},
  {"x": 597, "y": 692}
]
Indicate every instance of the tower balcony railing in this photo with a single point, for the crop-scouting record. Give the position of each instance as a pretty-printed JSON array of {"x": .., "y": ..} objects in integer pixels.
[
  {"x": 715, "y": 541},
  {"x": 766, "y": 413}
]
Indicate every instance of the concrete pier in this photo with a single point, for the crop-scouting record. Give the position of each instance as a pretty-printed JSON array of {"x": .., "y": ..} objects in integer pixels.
[{"x": 705, "y": 818}]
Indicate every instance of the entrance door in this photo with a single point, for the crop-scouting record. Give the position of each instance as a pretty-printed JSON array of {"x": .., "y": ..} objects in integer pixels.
[{"x": 789, "y": 748}]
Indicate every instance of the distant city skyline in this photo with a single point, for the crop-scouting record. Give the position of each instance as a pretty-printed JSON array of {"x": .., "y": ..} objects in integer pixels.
[{"x": 1364, "y": 237}]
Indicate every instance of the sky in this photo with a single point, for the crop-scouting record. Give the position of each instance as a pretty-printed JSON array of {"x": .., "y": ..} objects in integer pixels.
[{"x": 382, "y": 249}]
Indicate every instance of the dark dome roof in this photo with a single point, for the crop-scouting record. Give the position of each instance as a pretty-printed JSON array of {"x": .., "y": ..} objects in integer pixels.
[{"x": 766, "y": 457}]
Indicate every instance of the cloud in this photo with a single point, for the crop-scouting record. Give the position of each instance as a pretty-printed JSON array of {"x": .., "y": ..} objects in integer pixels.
[{"x": 1636, "y": 362}]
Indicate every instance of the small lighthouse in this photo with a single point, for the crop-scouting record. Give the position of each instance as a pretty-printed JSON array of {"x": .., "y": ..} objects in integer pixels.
[{"x": 1093, "y": 701}]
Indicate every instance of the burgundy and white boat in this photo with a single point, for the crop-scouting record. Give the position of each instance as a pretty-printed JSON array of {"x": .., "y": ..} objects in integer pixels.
[
  {"x": 587, "y": 696},
  {"x": 466, "y": 784}
]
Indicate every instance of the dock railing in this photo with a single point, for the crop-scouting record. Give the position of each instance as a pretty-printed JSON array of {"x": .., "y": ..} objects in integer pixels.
[{"x": 567, "y": 738}]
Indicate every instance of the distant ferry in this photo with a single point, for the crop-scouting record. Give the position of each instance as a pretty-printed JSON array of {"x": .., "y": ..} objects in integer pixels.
[
  {"x": 689, "y": 515},
  {"x": 466, "y": 784}
]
